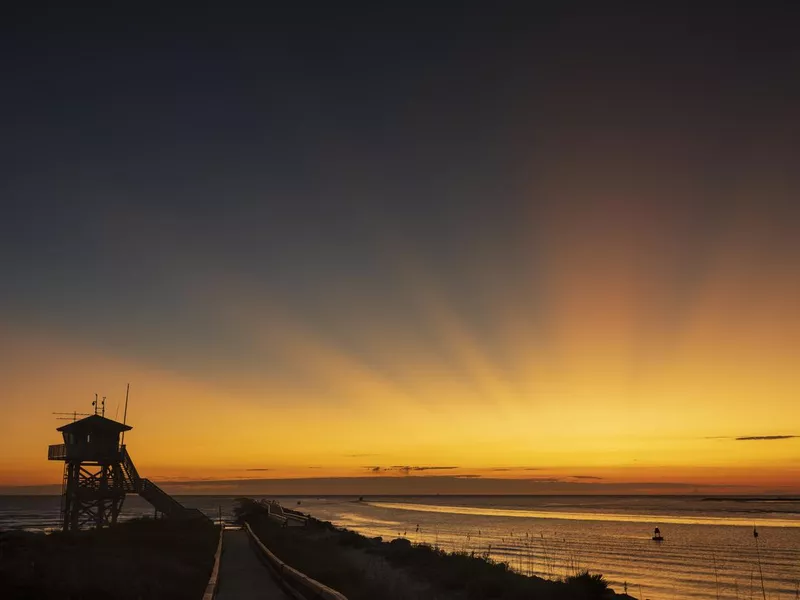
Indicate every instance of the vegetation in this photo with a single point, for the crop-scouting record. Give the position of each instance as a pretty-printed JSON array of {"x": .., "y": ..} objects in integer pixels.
[
  {"x": 366, "y": 568},
  {"x": 137, "y": 560},
  {"x": 593, "y": 584}
]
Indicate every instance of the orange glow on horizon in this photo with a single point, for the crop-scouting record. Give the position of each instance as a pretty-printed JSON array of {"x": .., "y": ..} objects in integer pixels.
[
  {"x": 610, "y": 366},
  {"x": 190, "y": 431}
]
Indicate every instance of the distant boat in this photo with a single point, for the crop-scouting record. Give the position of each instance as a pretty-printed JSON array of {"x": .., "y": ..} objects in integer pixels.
[{"x": 657, "y": 537}]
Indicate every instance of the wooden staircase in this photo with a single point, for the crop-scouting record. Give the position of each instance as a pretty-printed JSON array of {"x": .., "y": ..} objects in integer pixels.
[{"x": 161, "y": 500}]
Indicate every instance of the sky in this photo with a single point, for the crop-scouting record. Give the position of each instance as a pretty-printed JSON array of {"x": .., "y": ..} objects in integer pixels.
[{"x": 464, "y": 250}]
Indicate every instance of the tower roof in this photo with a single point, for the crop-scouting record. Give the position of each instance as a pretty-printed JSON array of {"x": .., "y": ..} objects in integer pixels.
[{"x": 94, "y": 423}]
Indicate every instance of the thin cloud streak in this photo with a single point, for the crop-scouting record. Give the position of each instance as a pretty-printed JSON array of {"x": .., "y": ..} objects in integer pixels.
[
  {"x": 499, "y": 469},
  {"x": 765, "y": 438},
  {"x": 406, "y": 469}
]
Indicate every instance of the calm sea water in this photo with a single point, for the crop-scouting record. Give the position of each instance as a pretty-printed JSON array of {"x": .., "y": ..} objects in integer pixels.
[{"x": 709, "y": 552}]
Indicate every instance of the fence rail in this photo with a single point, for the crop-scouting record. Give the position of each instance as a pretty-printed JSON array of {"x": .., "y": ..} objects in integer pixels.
[
  {"x": 213, "y": 581},
  {"x": 310, "y": 588},
  {"x": 277, "y": 512}
]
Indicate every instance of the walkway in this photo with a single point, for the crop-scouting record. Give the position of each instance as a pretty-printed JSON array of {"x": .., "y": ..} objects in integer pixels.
[{"x": 242, "y": 576}]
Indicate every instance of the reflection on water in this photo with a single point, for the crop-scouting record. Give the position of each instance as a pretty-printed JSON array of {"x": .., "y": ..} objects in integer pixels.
[
  {"x": 587, "y": 516},
  {"x": 709, "y": 552}
]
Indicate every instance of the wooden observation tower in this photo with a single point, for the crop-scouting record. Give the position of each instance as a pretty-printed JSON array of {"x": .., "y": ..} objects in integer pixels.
[
  {"x": 98, "y": 472},
  {"x": 94, "y": 479}
]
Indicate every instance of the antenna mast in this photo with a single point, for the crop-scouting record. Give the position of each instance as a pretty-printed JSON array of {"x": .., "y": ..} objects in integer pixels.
[
  {"x": 71, "y": 416},
  {"x": 125, "y": 415}
]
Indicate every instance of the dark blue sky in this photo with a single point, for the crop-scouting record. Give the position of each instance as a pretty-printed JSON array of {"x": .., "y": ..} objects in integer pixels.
[{"x": 314, "y": 157}]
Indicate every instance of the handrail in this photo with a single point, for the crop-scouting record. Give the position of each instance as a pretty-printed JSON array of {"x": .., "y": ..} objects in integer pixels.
[
  {"x": 286, "y": 514},
  {"x": 130, "y": 468},
  {"x": 274, "y": 515},
  {"x": 213, "y": 581},
  {"x": 161, "y": 500},
  {"x": 284, "y": 571}
]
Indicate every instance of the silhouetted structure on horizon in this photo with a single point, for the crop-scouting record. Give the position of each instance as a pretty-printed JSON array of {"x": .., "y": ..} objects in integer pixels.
[{"x": 98, "y": 472}]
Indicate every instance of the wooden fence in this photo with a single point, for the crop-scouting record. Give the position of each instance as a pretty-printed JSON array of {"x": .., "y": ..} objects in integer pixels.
[
  {"x": 304, "y": 587},
  {"x": 213, "y": 582}
]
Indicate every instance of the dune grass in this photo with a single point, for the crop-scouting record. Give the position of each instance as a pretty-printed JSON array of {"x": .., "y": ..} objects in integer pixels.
[
  {"x": 366, "y": 568},
  {"x": 136, "y": 560}
]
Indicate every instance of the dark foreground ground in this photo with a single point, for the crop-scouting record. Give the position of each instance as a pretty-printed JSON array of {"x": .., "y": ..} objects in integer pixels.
[
  {"x": 366, "y": 569},
  {"x": 137, "y": 560}
]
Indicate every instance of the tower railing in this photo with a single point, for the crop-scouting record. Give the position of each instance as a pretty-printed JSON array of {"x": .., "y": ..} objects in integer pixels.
[{"x": 57, "y": 452}]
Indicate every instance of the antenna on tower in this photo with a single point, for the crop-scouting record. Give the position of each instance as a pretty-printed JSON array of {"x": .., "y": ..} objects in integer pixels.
[
  {"x": 71, "y": 416},
  {"x": 125, "y": 415},
  {"x": 95, "y": 404},
  {"x": 104, "y": 407}
]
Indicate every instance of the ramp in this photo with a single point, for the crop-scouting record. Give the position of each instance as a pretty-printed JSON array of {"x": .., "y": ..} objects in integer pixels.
[{"x": 161, "y": 500}]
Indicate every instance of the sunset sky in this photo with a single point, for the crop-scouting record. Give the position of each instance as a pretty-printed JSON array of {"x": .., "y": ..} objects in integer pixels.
[{"x": 444, "y": 252}]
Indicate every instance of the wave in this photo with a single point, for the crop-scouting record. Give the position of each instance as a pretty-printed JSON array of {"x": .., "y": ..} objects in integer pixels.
[{"x": 591, "y": 516}]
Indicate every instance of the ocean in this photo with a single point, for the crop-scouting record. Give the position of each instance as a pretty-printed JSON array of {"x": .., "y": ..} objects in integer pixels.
[{"x": 709, "y": 549}]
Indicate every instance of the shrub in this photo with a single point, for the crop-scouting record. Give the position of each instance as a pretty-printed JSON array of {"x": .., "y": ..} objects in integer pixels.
[{"x": 593, "y": 585}]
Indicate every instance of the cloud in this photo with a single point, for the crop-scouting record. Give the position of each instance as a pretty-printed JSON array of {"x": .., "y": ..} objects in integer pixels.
[
  {"x": 407, "y": 468},
  {"x": 359, "y": 455},
  {"x": 265, "y": 469},
  {"x": 517, "y": 469},
  {"x": 592, "y": 477},
  {"x": 750, "y": 438},
  {"x": 753, "y": 438}
]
